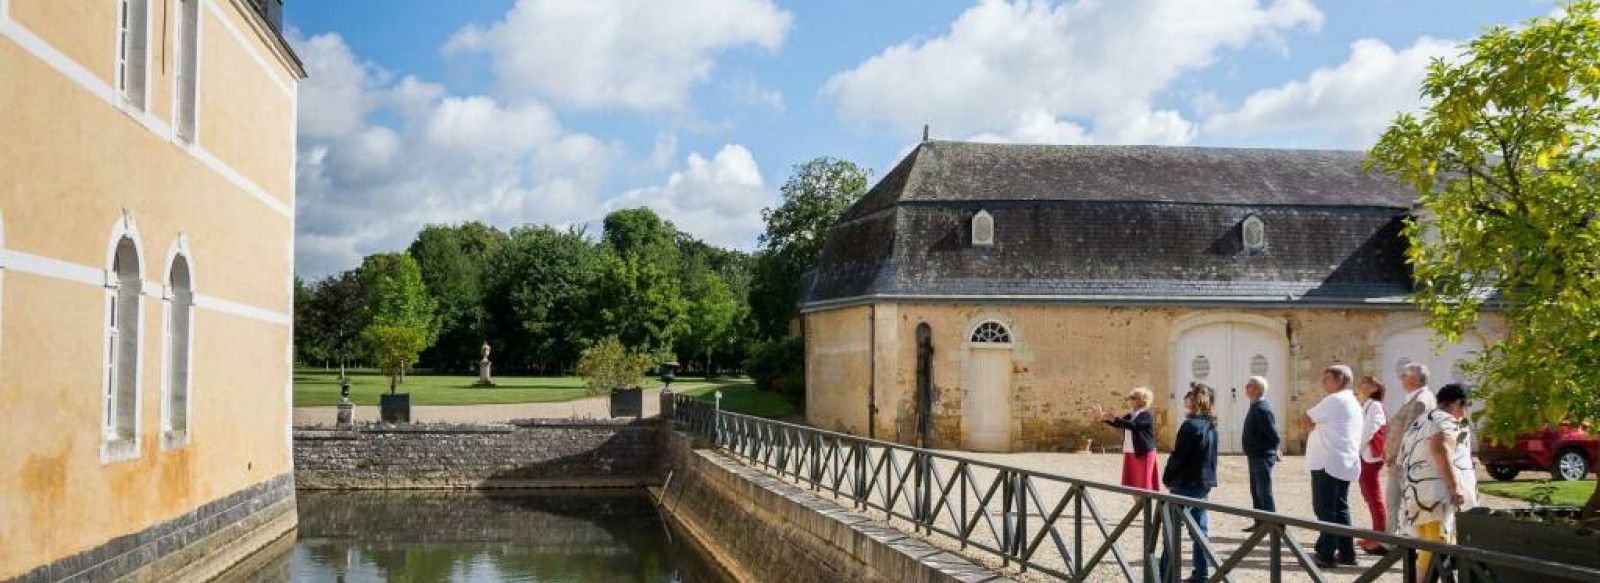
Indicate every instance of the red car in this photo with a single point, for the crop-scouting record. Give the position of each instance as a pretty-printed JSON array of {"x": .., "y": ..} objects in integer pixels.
[{"x": 1566, "y": 452}]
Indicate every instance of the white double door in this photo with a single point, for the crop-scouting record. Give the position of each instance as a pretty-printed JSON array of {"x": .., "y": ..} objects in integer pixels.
[
  {"x": 1224, "y": 356},
  {"x": 1415, "y": 345}
]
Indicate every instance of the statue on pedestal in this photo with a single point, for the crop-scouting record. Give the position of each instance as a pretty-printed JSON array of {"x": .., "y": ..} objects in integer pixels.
[{"x": 484, "y": 377}]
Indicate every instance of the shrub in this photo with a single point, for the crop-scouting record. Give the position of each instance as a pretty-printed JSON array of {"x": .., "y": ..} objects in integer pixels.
[
  {"x": 778, "y": 366},
  {"x": 609, "y": 365}
]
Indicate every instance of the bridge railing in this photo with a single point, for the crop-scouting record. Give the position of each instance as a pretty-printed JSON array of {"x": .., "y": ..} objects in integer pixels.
[{"x": 1059, "y": 525}]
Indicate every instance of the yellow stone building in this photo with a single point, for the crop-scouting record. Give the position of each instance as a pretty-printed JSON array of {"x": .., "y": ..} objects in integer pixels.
[
  {"x": 147, "y": 153},
  {"x": 985, "y": 296}
]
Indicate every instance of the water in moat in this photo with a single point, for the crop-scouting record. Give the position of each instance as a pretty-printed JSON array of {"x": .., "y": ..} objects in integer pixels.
[{"x": 585, "y": 536}]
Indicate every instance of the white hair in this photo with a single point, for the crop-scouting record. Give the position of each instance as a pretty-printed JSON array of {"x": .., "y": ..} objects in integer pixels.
[
  {"x": 1416, "y": 369},
  {"x": 1260, "y": 382},
  {"x": 1343, "y": 372}
]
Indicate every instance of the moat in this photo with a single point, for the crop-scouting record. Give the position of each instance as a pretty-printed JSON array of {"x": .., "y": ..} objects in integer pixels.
[{"x": 563, "y": 536}]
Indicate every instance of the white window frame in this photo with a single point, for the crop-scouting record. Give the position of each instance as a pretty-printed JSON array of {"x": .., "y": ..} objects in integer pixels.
[
  {"x": 124, "y": 31},
  {"x": 982, "y": 242},
  {"x": 1255, "y": 222},
  {"x": 972, "y": 339},
  {"x": 171, "y": 438},
  {"x": 113, "y": 445},
  {"x": 186, "y": 123}
]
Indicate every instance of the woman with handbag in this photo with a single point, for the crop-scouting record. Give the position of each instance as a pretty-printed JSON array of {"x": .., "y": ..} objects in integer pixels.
[{"x": 1374, "y": 433}]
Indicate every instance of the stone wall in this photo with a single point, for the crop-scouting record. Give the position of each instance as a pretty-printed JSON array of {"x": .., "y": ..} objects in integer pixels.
[
  {"x": 1066, "y": 358},
  {"x": 522, "y": 454},
  {"x": 761, "y": 528},
  {"x": 192, "y": 548}
]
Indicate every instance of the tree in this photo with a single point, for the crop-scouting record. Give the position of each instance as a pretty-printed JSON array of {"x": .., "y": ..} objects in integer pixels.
[
  {"x": 610, "y": 364},
  {"x": 403, "y": 321},
  {"x": 711, "y": 321},
  {"x": 452, "y": 260},
  {"x": 539, "y": 297},
  {"x": 309, "y": 346},
  {"x": 640, "y": 297},
  {"x": 812, "y": 200},
  {"x": 335, "y": 316},
  {"x": 1505, "y": 164}
]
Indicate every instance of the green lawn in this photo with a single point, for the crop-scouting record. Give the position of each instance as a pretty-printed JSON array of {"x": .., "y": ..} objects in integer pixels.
[
  {"x": 1566, "y": 493},
  {"x": 743, "y": 398},
  {"x": 313, "y": 388}
]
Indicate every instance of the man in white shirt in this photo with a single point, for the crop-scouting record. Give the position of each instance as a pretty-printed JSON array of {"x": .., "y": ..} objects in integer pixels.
[
  {"x": 1419, "y": 401},
  {"x": 1334, "y": 459}
]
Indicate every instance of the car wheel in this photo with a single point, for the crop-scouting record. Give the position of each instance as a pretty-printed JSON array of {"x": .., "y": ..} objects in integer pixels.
[
  {"x": 1503, "y": 473},
  {"x": 1570, "y": 466}
]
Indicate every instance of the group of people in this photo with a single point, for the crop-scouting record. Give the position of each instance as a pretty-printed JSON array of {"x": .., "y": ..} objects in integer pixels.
[{"x": 1415, "y": 460}]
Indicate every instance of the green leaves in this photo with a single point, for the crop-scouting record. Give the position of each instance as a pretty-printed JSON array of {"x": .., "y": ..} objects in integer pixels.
[
  {"x": 609, "y": 364},
  {"x": 1504, "y": 162}
]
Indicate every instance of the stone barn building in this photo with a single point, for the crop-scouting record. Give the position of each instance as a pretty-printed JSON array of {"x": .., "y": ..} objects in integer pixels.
[{"x": 984, "y": 296}]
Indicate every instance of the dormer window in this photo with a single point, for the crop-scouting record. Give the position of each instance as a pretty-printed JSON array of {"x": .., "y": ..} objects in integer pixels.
[
  {"x": 1254, "y": 233},
  {"x": 982, "y": 229}
]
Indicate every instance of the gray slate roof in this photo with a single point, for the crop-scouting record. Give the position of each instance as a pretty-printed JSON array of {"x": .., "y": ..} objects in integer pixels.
[{"x": 1121, "y": 224}]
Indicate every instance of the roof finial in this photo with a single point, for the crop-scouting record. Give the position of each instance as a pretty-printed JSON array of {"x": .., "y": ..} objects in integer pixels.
[{"x": 924, "y": 133}]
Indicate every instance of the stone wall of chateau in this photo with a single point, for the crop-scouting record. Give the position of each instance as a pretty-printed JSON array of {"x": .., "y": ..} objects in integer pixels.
[
  {"x": 525, "y": 453},
  {"x": 1064, "y": 359}
]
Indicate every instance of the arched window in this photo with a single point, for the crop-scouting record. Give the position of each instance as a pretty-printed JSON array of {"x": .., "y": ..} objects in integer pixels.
[
  {"x": 991, "y": 332},
  {"x": 982, "y": 229},
  {"x": 121, "y": 391},
  {"x": 179, "y": 339},
  {"x": 133, "y": 48}
]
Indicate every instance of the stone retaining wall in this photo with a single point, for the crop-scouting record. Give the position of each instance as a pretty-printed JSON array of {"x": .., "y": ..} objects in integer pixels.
[
  {"x": 539, "y": 453},
  {"x": 192, "y": 548},
  {"x": 765, "y": 529}
]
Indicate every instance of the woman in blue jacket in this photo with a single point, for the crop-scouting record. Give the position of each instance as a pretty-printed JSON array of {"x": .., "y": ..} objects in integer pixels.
[
  {"x": 1192, "y": 467},
  {"x": 1138, "y": 440}
]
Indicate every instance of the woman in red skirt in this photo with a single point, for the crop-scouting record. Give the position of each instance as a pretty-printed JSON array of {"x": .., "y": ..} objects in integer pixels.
[{"x": 1138, "y": 440}]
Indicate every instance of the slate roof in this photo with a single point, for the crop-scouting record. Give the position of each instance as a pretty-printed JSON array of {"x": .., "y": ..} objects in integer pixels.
[{"x": 1121, "y": 224}]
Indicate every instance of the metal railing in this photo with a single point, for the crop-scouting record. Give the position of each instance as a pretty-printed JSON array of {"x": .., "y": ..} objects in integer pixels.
[{"x": 1053, "y": 524}]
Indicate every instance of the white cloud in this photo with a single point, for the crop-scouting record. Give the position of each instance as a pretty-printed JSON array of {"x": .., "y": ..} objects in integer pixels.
[
  {"x": 665, "y": 149},
  {"x": 1344, "y": 106},
  {"x": 379, "y": 158},
  {"x": 630, "y": 54},
  {"x": 1063, "y": 64},
  {"x": 717, "y": 200}
]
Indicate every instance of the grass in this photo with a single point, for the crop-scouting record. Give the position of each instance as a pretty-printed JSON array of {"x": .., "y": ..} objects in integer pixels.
[
  {"x": 320, "y": 388},
  {"x": 744, "y": 398},
  {"x": 1565, "y": 494}
]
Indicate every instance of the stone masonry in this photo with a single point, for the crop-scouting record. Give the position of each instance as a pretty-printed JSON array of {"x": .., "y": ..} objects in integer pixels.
[{"x": 522, "y": 454}]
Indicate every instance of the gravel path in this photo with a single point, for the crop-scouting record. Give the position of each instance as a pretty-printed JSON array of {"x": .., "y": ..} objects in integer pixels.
[{"x": 589, "y": 408}]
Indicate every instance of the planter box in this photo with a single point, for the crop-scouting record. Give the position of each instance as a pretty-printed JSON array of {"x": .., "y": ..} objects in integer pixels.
[
  {"x": 395, "y": 408},
  {"x": 1512, "y": 532},
  {"x": 627, "y": 402}
]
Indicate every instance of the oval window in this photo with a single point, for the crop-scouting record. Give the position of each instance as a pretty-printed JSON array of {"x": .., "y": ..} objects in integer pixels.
[
  {"x": 1255, "y": 234},
  {"x": 1200, "y": 368},
  {"x": 1259, "y": 366}
]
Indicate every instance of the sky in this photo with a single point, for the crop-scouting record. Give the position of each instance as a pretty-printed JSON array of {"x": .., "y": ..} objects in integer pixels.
[{"x": 521, "y": 112}]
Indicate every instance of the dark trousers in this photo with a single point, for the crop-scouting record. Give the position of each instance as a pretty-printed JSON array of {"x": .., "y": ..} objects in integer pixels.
[
  {"x": 1330, "y": 499},
  {"x": 1261, "y": 482},
  {"x": 1202, "y": 569}
]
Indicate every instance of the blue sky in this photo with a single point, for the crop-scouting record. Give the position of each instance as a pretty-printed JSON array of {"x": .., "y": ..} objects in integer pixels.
[{"x": 557, "y": 111}]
